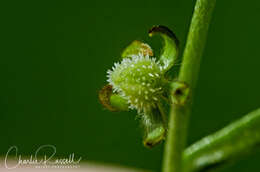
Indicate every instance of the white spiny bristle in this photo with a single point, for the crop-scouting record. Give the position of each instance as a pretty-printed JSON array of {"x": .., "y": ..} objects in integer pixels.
[{"x": 136, "y": 79}]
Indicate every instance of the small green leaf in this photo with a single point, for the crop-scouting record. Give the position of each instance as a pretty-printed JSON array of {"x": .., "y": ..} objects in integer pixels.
[
  {"x": 137, "y": 47},
  {"x": 170, "y": 49}
]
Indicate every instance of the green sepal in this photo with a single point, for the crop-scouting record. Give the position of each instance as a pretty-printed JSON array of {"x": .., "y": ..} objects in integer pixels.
[
  {"x": 112, "y": 101},
  {"x": 118, "y": 102},
  {"x": 135, "y": 48},
  {"x": 155, "y": 136},
  {"x": 170, "y": 49},
  {"x": 154, "y": 128}
]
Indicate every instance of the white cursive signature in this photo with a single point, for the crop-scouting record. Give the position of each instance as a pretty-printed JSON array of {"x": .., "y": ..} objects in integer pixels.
[{"x": 35, "y": 160}]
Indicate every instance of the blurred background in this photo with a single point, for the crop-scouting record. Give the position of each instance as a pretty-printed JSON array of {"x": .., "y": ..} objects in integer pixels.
[{"x": 53, "y": 60}]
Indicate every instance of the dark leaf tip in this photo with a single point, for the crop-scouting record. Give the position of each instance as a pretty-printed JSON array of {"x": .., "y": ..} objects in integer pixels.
[
  {"x": 104, "y": 97},
  {"x": 164, "y": 30}
]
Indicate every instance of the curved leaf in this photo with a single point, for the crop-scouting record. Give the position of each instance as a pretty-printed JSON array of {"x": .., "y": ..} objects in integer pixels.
[
  {"x": 227, "y": 145},
  {"x": 170, "y": 49}
]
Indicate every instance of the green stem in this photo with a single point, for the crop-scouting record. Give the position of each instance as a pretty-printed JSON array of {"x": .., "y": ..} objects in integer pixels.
[{"x": 179, "y": 114}]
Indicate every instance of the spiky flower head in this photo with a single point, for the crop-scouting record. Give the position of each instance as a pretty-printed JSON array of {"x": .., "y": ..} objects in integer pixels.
[
  {"x": 139, "y": 80},
  {"x": 143, "y": 83}
]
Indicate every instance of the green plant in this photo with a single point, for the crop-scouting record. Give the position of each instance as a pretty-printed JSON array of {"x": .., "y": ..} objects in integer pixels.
[{"x": 144, "y": 83}]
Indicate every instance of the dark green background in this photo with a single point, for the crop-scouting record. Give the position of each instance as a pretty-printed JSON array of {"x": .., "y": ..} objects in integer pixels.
[{"x": 54, "y": 57}]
